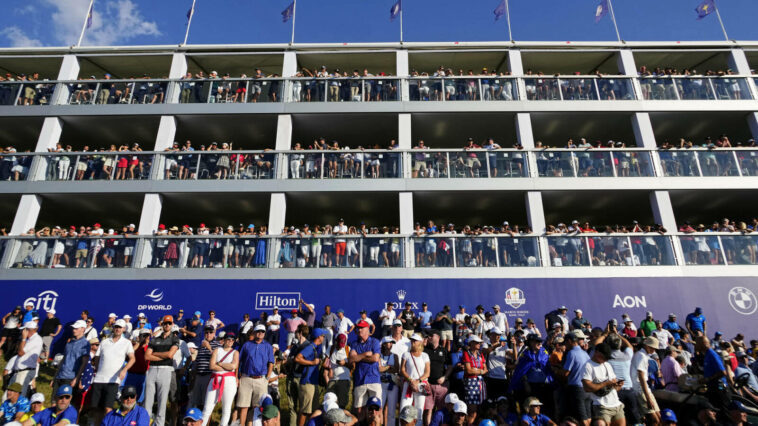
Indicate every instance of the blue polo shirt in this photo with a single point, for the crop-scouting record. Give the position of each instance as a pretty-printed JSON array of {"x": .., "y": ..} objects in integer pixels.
[
  {"x": 425, "y": 317},
  {"x": 441, "y": 417},
  {"x": 75, "y": 353},
  {"x": 574, "y": 363},
  {"x": 695, "y": 322},
  {"x": 310, "y": 372},
  {"x": 713, "y": 364},
  {"x": 136, "y": 417},
  {"x": 367, "y": 372},
  {"x": 673, "y": 328},
  {"x": 455, "y": 359},
  {"x": 540, "y": 420},
  {"x": 29, "y": 316},
  {"x": 51, "y": 416},
  {"x": 255, "y": 357}
]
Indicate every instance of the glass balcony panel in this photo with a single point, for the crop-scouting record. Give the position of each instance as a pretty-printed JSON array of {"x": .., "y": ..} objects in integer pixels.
[
  {"x": 518, "y": 251},
  {"x": 702, "y": 249},
  {"x": 748, "y": 162},
  {"x": 717, "y": 163},
  {"x": 568, "y": 251},
  {"x": 472, "y": 251},
  {"x": 578, "y": 89},
  {"x": 96, "y": 166},
  {"x": 221, "y": 164},
  {"x": 499, "y": 89},
  {"x": 507, "y": 163},
  {"x": 344, "y": 165},
  {"x": 26, "y": 93},
  {"x": 542, "y": 89},
  {"x": 15, "y": 167},
  {"x": 613, "y": 89},
  {"x": 556, "y": 163},
  {"x": 658, "y": 88},
  {"x": 81, "y": 252},
  {"x": 679, "y": 163},
  {"x": 731, "y": 88},
  {"x": 383, "y": 251},
  {"x": 694, "y": 88}
]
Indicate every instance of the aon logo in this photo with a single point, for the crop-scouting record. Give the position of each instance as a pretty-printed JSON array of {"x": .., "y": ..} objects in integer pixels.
[{"x": 629, "y": 301}]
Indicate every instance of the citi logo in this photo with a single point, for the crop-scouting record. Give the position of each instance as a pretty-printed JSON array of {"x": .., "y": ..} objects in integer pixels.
[
  {"x": 156, "y": 295},
  {"x": 44, "y": 301},
  {"x": 281, "y": 300},
  {"x": 629, "y": 301}
]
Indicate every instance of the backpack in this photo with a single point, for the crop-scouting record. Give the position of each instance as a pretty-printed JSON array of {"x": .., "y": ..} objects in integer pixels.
[{"x": 291, "y": 368}]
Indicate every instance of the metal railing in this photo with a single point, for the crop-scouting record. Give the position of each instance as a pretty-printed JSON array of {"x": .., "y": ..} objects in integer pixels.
[
  {"x": 217, "y": 164},
  {"x": 468, "y": 163},
  {"x": 343, "y": 164},
  {"x": 579, "y": 88},
  {"x": 25, "y": 93},
  {"x": 719, "y": 248},
  {"x": 96, "y": 165},
  {"x": 231, "y": 90},
  {"x": 343, "y": 89},
  {"x": 610, "y": 250},
  {"x": 462, "y": 88},
  {"x": 109, "y": 92},
  {"x": 15, "y": 167},
  {"x": 482, "y": 250},
  {"x": 709, "y": 162},
  {"x": 595, "y": 162},
  {"x": 106, "y": 251},
  {"x": 340, "y": 251},
  {"x": 694, "y": 87}
]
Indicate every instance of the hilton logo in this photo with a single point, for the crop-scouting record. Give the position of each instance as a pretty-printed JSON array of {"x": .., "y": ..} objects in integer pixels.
[{"x": 282, "y": 300}]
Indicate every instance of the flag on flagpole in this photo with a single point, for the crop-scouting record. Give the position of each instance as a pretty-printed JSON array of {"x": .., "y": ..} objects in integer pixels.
[
  {"x": 395, "y": 10},
  {"x": 288, "y": 12},
  {"x": 705, "y": 8},
  {"x": 499, "y": 10},
  {"x": 89, "y": 15},
  {"x": 190, "y": 12},
  {"x": 602, "y": 9}
]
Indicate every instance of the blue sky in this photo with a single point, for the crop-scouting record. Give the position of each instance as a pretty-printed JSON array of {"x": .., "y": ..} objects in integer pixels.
[{"x": 137, "y": 22}]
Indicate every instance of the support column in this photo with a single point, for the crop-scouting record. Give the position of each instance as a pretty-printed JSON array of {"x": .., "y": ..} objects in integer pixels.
[
  {"x": 645, "y": 138},
  {"x": 49, "y": 136},
  {"x": 535, "y": 213},
  {"x": 752, "y": 121},
  {"x": 739, "y": 64},
  {"x": 283, "y": 143},
  {"x": 177, "y": 71},
  {"x": 152, "y": 206},
  {"x": 289, "y": 69},
  {"x": 663, "y": 213},
  {"x": 26, "y": 217},
  {"x": 516, "y": 67},
  {"x": 406, "y": 225},
  {"x": 401, "y": 65},
  {"x": 525, "y": 137},
  {"x": 404, "y": 141},
  {"x": 163, "y": 140},
  {"x": 628, "y": 67},
  {"x": 69, "y": 71},
  {"x": 277, "y": 216}
]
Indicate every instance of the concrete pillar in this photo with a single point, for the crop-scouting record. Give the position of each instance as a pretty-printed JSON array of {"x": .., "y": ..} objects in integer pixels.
[
  {"x": 402, "y": 71},
  {"x": 535, "y": 213},
  {"x": 739, "y": 64},
  {"x": 404, "y": 141},
  {"x": 49, "y": 136},
  {"x": 277, "y": 216},
  {"x": 663, "y": 213},
  {"x": 525, "y": 137},
  {"x": 645, "y": 138},
  {"x": 406, "y": 224},
  {"x": 69, "y": 71},
  {"x": 152, "y": 206},
  {"x": 26, "y": 217},
  {"x": 289, "y": 66},
  {"x": 516, "y": 67},
  {"x": 177, "y": 71},
  {"x": 752, "y": 121},
  {"x": 628, "y": 67},
  {"x": 163, "y": 140},
  {"x": 283, "y": 143}
]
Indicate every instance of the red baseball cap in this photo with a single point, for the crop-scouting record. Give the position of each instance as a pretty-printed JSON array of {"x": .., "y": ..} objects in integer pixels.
[
  {"x": 202, "y": 225},
  {"x": 161, "y": 226},
  {"x": 294, "y": 311},
  {"x": 97, "y": 225},
  {"x": 361, "y": 324}
]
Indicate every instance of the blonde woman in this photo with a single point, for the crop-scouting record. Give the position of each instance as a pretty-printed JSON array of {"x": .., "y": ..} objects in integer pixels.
[
  {"x": 415, "y": 370},
  {"x": 223, "y": 385}
]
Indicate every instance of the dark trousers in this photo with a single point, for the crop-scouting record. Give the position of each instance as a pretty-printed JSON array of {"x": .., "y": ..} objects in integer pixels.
[
  {"x": 631, "y": 406},
  {"x": 577, "y": 403}
]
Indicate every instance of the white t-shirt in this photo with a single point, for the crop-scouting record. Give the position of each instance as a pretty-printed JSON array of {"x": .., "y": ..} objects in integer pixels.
[
  {"x": 182, "y": 354},
  {"x": 663, "y": 337},
  {"x": 32, "y": 349},
  {"x": 343, "y": 325},
  {"x": 599, "y": 373},
  {"x": 639, "y": 363},
  {"x": 338, "y": 229},
  {"x": 387, "y": 317},
  {"x": 367, "y": 319},
  {"x": 496, "y": 363},
  {"x": 245, "y": 326},
  {"x": 215, "y": 322},
  {"x": 341, "y": 372},
  {"x": 278, "y": 318},
  {"x": 415, "y": 371},
  {"x": 460, "y": 317},
  {"x": 401, "y": 346},
  {"x": 500, "y": 320},
  {"x": 112, "y": 356}
]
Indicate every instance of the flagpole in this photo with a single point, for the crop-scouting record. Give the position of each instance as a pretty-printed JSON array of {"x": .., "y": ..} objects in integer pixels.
[
  {"x": 294, "y": 10},
  {"x": 401, "y": 21},
  {"x": 189, "y": 22},
  {"x": 84, "y": 27},
  {"x": 718, "y": 15},
  {"x": 613, "y": 17},
  {"x": 508, "y": 17}
]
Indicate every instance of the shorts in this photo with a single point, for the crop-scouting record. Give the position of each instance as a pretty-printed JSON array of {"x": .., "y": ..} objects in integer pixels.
[
  {"x": 644, "y": 408},
  {"x": 128, "y": 250},
  {"x": 29, "y": 93},
  {"x": 608, "y": 414},
  {"x": 250, "y": 391},
  {"x": 80, "y": 166},
  {"x": 255, "y": 88},
  {"x": 431, "y": 246},
  {"x": 81, "y": 254},
  {"x": 103, "y": 395},
  {"x": 362, "y": 393},
  {"x": 340, "y": 248},
  {"x": 474, "y": 162},
  {"x": 436, "y": 400},
  {"x": 305, "y": 397},
  {"x": 446, "y": 334},
  {"x": 419, "y": 165}
]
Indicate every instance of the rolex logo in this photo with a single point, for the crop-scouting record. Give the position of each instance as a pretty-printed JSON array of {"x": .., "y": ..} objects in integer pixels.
[{"x": 401, "y": 295}]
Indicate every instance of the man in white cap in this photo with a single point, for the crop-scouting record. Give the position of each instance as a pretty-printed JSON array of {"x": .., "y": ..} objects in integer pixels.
[
  {"x": 460, "y": 413},
  {"x": 129, "y": 326},
  {"x": 500, "y": 319},
  {"x": 579, "y": 321},
  {"x": 108, "y": 327},
  {"x": 29, "y": 349},
  {"x": 50, "y": 329},
  {"x": 111, "y": 370},
  {"x": 444, "y": 416},
  {"x": 74, "y": 355},
  {"x": 647, "y": 403}
]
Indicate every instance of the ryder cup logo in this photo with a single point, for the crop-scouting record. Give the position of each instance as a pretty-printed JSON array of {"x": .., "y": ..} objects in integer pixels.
[
  {"x": 156, "y": 295},
  {"x": 743, "y": 300},
  {"x": 44, "y": 301},
  {"x": 514, "y": 298}
]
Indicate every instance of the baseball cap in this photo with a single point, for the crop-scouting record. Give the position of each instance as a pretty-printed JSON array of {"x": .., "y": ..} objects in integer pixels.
[
  {"x": 120, "y": 323},
  {"x": 197, "y": 314},
  {"x": 141, "y": 315},
  {"x": 336, "y": 415},
  {"x": 191, "y": 345},
  {"x": 129, "y": 391},
  {"x": 51, "y": 311},
  {"x": 167, "y": 318},
  {"x": 651, "y": 341},
  {"x": 193, "y": 414},
  {"x": 79, "y": 324},
  {"x": 474, "y": 338},
  {"x": 672, "y": 315},
  {"x": 578, "y": 311},
  {"x": 668, "y": 416},
  {"x": 416, "y": 337},
  {"x": 294, "y": 311},
  {"x": 63, "y": 390},
  {"x": 531, "y": 401},
  {"x": 270, "y": 412},
  {"x": 737, "y": 406},
  {"x": 30, "y": 325},
  {"x": 330, "y": 396},
  {"x": 494, "y": 330},
  {"x": 37, "y": 397},
  {"x": 451, "y": 398},
  {"x": 460, "y": 407},
  {"x": 496, "y": 307},
  {"x": 29, "y": 304},
  {"x": 361, "y": 324},
  {"x": 397, "y": 322},
  {"x": 147, "y": 331},
  {"x": 408, "y": 413},
  {"x": 318, "y": 333},
  {"x": 374, "y": 402},
  {"x": 388, "y": 339},
  {"x": 265, "y": 400},
  {"x": 329, "y": 405},
  {"x": 211, "y": 327},
  {"x": 563, "y": 308},
  {"x": 260, "y": 327},
  {"x": 340, "y": 311}
]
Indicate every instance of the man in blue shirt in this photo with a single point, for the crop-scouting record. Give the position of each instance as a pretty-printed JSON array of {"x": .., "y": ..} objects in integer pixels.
[
  {"x": 751, "y": 390},
  {"x": 256, "y": 362},
  {"x": 673, "y": 327},
  {"x": 695, "y": 322},
  {"x": 425, "y": 317},
  {"x": 310, "y": 358},
  {"x": 61, "y": 413},
  {"x": 578, "y": 403},
  {"x": 30, "y": 313},
  {"x": 444, "y": 415},
  {"x": 15, "y": 406},
  {"x": 74, "y": 356},
  {"x": 129, "y": 413},
  {"x": 365, "y": 355},
  {"x": 714, "y": 373}
]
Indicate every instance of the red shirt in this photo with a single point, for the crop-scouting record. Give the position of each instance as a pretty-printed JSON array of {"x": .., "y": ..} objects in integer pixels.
[{"x": 475, "y": 362}]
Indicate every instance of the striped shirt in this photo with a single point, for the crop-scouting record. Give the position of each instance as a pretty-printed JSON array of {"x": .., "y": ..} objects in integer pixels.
[{"x": 203, "y": 360}]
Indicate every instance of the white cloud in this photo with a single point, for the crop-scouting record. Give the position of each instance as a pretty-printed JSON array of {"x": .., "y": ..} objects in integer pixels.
[
  {"x": 24, "y": 10},
  {"x": 18, "y": 38},
  {"x": 114, "y": 21}
]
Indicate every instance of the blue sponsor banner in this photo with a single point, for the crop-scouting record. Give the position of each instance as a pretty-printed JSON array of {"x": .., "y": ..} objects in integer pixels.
[{"x": 729, "y": 303}]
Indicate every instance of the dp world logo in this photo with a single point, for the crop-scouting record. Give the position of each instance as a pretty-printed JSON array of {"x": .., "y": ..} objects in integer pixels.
[
  {"x": 743, "y": 300},
  {"x": 514, "y": 297},
  {"x": 156, "y": 295}
]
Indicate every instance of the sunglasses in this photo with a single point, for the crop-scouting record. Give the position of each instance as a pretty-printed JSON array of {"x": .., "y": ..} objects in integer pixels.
[
  {"x": 64, "y": 397},
  {"x": 374, "y": 408},
  {"x": 129, "y": 397}
]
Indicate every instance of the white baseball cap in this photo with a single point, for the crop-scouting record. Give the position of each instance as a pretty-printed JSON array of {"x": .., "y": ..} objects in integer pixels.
[
  {"x": 120, "y": 323},
  {"x": 30, "y": 325},
  {"x": 460, "y": 407},
  {"x": 29, "y": 304},
  {"x": 330, "y": 397},
  {"x": 51, "y": 311},
  {"x": 112, "y": 315},
  {"x": 260, "y": 327},
  {"x": 192, "y": 345},
  {"x": 147, "y": 331},
  {"x": 79, "y": 324},
  {"x": 578, "y": 311},
  {"x": 416, "y": 337},
  {"x": 397, "y": 322},
  {"x": 37, "y": 397},
  {"x": 330, "y": 405},
  {"x": 141, "y": 315},
  {"x": 451, "y": 398},
  {"x": 127, "y": 316},
  {"x": 388, "y": 339}
]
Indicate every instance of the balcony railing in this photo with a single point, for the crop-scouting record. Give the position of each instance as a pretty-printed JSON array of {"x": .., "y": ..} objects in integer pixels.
[
  {"x": 463, "y": 88},
  {"x": 579, "y": 88},
  {"x": 344, "y": 89},
  {"x": 378, "y": 251},
  {"x": 231, "y": 90},
  {"x": 694, "y": 88},
  {"x": 374, "y": 164},
  {"x": 109, "y": 92},
  {"x": 26, "y": 93}
]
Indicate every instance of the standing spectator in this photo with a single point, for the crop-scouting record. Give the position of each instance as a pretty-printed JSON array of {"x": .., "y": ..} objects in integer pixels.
[
  {"x": 496, "y": 354},
  {"x": 671, "y": 369},
  {"x": 533, "y": 371},
  {"x": 160, "y": 353},
  {"x": 256, "y": 363},
  {"x": 365, "y": 354},
  {"x": 664, "y": 336},
  {"x": 310, "y": 358},
  {"x": 364, "y": 317},
  {"x": 223, "y": 384},
  {"x": 339, "y": 370},
  {"x": 328, "y": 321},
  {"x": 344, "y": 324},
  {"x": 647, "y": 326},
  {"x": 61, "y": 413},
  {"x": 425, "y": 317},
  {"x": 579, "y": 321},
  {"x": 621, "y": 362},
  {"x": 696, "y": 323},
  {"x": 307, "y": 313},
  {"x": 577, "y": 400},
  {"x": 387, "y": 317},
  {"x": 273, "y": 323},
  {"x": 138, "y": 371},
  {"x": 408, "y": 318},
  {"x": 51, "y": 328},
  {"x": 601, "y": 384},
  {"x": 111, "y": 369},
  {"x": 29, "y": 350},
  {"x": 639, "y": 372},
  {"x": 475, "y": 367},
  {"x": 444, "y": 323},
  {"x": 15, "y": 406},
  {"x": 291, "y": 324},
  {"x": 500, "y": 319},
  {"x": 715, "y": 374},
  {"x": 202, "y": 370},
  {"x": 438, "y": 371},
  {"x": 414, "y": 367},
  {"x": 128, "y": 413},
  {"x": 74, "y": 356},
  {"x": 673, "y": 327},
  {"x": 11, "y": 331},
  {"x": 244, "y": 328}
]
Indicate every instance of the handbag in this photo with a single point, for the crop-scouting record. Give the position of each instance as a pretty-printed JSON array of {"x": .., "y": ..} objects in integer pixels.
[{"x": 423, "y": 387}]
